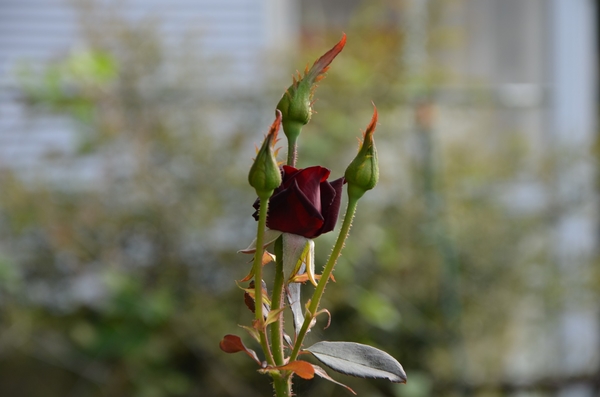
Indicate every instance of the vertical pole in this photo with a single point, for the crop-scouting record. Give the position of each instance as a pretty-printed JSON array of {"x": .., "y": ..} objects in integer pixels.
[{"x": 573, "y": 121}]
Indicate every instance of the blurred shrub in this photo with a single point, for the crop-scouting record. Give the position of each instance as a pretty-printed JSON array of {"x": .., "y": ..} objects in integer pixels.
[
  {"x": 123, "y": 285},
  {"x": 442, "y": 255}
]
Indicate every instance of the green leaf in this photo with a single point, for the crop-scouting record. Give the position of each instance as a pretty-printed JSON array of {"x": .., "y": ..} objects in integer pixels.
[
  {"x": 321, "y": 372},
  {"x": 358, "y": 360},
  {"x": 253, "y": 332},
  {"x": 273, "y": 316}
]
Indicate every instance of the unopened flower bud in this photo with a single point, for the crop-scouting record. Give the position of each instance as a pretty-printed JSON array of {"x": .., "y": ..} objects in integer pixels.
[
  {"x": 363, "y": 172},
  {"x": 265, "y": 175},
  {"x": 296, "y": 103},
  {"x": 295, "y": 108}
]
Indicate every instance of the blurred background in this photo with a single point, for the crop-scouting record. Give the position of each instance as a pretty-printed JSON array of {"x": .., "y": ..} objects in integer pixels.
[{"x": 126, "y": 133}]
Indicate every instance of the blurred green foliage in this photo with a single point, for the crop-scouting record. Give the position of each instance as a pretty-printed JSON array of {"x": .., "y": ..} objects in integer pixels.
[
  {"x": 125, "y": 288},
  {"x": 124, "y": 285}
]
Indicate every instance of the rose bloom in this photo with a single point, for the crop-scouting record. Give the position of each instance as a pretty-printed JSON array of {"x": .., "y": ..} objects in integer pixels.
[{"x": 305, "y": 203}]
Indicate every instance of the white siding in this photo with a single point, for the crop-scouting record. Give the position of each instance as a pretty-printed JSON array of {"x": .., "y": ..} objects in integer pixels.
[{"x": 239, "y": 32}]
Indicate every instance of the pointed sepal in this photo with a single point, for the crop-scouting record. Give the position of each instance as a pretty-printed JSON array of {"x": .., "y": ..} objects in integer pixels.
[{"x": 363, "y": 172}]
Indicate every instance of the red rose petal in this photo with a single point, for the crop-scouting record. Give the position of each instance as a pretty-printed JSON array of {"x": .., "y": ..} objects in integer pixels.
[
  {"x": 306, "y": 203},
  {"x": 332, "y": 209},
  {"x": 291, "y": 212},
  {"x": 309, "y": 181}
]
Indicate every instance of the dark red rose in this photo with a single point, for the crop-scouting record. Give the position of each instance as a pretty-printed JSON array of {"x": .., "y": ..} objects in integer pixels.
[{"x": 305, "y": 203}]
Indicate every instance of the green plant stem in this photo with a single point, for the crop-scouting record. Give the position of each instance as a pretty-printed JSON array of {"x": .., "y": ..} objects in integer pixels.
[
  {"x": 257, "y": 266},
  {"x": 282, "y": 385},
  {"x": 327, "y": 270},
  {"x": 277, "y": 303},
  {"x": 292, "y": 152}
]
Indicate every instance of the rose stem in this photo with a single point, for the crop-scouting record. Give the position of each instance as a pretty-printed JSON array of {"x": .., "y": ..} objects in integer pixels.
[
  {"x": 277, "y": 302},
  {"x": 292, "y": 151},
  {"x": 277, "y": 298},
  {"x": 282, "y": 384},
  {"x": 327, "y": 270},
  {"x": 258, "y": 301}
]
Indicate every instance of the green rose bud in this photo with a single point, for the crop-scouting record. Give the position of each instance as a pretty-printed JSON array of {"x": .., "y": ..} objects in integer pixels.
[
  {"x": 295, "y": 108},
  {"x": 265, "y": 175},
  {"x": 296, "y": 103},
  {"x": 363, "y": 172}
]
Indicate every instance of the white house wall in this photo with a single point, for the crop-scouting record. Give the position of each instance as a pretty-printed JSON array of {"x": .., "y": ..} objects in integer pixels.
[{"x": 240, "y": 34}]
